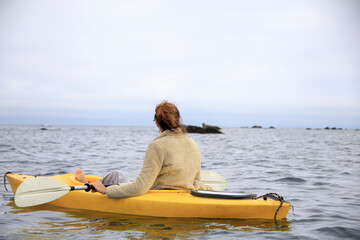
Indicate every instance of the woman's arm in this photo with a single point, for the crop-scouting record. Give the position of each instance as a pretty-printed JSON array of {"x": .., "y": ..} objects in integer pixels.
[
  {"x": 99, "y": 187},
  {"x": 153, "y": 161}
]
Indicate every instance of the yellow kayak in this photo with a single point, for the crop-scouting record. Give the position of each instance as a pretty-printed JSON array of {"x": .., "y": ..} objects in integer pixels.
[{"x": 162, "y": 203}]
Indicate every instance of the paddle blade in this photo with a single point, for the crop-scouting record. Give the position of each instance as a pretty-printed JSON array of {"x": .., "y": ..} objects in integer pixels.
[
  {"x": 39, "y": 190},
  {"x": 213, "y": 179}
]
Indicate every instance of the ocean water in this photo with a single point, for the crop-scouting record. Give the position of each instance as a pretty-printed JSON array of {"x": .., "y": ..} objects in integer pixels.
[{"x": 317, "y": 171}]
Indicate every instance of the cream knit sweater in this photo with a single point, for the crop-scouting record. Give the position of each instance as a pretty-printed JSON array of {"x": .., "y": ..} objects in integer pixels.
[{"x": 172, "y": 161}]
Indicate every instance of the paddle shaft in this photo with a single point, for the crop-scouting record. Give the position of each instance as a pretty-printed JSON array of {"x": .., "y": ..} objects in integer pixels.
[{"x": 87, "y": 187}]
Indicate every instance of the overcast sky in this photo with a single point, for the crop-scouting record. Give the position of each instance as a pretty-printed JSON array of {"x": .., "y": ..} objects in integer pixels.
[{"x": 227, "y": 63}]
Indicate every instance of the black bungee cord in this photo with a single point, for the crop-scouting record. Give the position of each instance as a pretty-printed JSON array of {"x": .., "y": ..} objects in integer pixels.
[
  {"x": 5, "y": 180},
  {"x": 275, "y": 197}
]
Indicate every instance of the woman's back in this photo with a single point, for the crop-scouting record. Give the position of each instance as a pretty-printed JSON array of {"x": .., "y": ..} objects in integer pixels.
[
  {"x": 172, "y": 161},
  {"x": 181, "y": 161}
]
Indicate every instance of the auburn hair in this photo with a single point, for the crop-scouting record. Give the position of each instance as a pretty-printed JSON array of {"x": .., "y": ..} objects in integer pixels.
[{"x": 168, "y": 117}]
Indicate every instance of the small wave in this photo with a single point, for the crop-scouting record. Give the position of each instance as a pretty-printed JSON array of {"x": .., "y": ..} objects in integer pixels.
[
  {"x": 25, "y": 153},
  {"x": 6, "y": 148},
  {"x": 4, "y": 145},
  {"x": 53, "y": 142},
  {"x": 340, "y": 232},
  {"x": 315, "y": 211},
  {"x": 273, "y": 172},
  {"x": 291, "y": 180},
  {"x": 320, "y": 183}
]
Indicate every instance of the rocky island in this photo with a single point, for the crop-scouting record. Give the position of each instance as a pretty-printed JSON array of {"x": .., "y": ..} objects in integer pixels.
[{"x": 204, "y": 129}]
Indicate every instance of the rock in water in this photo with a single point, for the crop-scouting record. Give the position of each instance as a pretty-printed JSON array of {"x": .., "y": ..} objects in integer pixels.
[{"x": 204, "y": 129}]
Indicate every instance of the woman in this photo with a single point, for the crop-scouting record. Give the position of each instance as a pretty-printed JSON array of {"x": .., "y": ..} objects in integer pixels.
[{"x": 172, "y": 160}]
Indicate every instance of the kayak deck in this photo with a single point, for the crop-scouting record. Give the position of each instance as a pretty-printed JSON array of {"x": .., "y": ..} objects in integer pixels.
[{"x": 161, "y": 203}]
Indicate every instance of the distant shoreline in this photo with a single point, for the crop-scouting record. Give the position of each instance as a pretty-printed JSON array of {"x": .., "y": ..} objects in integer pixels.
[{"x": 225, "y": 127}]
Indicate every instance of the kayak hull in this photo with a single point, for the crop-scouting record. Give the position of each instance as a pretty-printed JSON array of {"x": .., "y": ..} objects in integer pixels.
[{"x": 161, "y": 203}]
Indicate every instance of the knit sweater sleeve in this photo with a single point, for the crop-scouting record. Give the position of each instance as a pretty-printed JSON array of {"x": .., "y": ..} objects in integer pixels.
[{"x": 153, "y": 161}]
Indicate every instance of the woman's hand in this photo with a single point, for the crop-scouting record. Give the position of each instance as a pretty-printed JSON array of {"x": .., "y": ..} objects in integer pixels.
[{"x": 99, "y": 187}]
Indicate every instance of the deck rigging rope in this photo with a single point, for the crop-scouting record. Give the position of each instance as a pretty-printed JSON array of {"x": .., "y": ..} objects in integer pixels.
[
  {"x": 275, "y": 197},
  {"x": 5, "y": 180}
]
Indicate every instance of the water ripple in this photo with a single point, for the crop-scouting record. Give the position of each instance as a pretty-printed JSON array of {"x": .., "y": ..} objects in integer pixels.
[
  {"x": 340, "y": 232},
  {"x": 291, "y": 180},
  {"x": 317, "y": 171}
]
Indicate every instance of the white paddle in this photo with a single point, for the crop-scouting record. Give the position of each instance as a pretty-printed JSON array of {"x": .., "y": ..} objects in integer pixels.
[
  {"x": 214, "y": 180},
  {"x": 39, "y": 190}
]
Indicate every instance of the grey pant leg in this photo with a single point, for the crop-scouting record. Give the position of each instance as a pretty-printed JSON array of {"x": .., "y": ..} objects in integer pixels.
[{"x": 115, "y": 177}]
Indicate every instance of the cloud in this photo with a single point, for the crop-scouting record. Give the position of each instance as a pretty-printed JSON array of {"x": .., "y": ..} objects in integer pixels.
[{"x": 236, "y": 57}]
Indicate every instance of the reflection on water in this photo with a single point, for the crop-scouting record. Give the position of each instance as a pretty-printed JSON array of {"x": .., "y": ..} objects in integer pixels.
[{"x": 56, "y": 222}]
